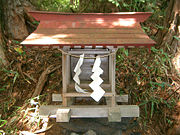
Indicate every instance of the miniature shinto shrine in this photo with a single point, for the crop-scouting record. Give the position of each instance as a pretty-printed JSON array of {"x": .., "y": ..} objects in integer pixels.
[{"x": 88, "y": 42}]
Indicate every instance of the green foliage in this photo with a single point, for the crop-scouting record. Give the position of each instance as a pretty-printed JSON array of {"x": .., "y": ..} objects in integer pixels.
[
  {"x": 136, "y": 5},
  {"x": 11, "y": 73},
  {"x": 145, "y": 77},
  {"x": 177, "y": 38},
  {"x": 156, "y": 6},
  {"x": 53, "y": 5},
  {"x": 2, "y": 123}
]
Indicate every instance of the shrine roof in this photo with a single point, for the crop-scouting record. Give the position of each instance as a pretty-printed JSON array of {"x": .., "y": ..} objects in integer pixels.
[{"x": 89, "y": 29}]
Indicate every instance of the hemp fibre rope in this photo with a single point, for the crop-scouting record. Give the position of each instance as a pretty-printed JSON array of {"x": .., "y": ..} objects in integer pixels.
[{"x": 77, "y": 56}]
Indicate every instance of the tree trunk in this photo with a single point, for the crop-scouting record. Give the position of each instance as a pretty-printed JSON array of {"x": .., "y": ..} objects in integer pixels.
[
  {"x": 170, "y": 36},
  {"x": 3, "y": 60},
  {"x": 15, "y": 22},
  {"x": 14, "y": 18}
]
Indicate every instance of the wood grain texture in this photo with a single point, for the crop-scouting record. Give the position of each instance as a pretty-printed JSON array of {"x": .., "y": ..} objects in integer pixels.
[
  {"x": 119, "y": 98},
  {"x": 90, "y": 111},
  {"x": 89, "y": 29}
]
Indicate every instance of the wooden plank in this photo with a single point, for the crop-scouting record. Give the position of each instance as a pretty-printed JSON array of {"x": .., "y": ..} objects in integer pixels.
[
  {"x": 86, "y": 85},
  {"x": 89, "y": 31},
  {"x": 56, "y": 97},
  {"x": 90, "y": 111},
  {"x": 89, "y": 24},
  {"x": 89, "y": 51},
  {"x": 129, "y": 110},
  {"x": 48, "y": 110},
  {"x": 93, "y": 36},
  {"x": 84, "y": 94},
  {"x": 122, "y": 98},
  {"x": 45, "y": 40},
  {"x": 119, "y": 98},
  {"x": 97, "y": 112},
  {"x": 50, "y": 16}
]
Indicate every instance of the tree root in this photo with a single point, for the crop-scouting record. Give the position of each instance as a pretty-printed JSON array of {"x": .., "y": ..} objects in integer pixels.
[{"x": 43, "y": 78}]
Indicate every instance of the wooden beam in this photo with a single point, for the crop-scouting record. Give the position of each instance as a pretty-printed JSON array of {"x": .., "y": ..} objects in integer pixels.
[
  {"x": 56, "y": 97},
  {"x": 86, "y": 85},
  {"x": 119, "y": 98},
  {"x": 122, "y": 98},
  {"x": 92, "y": 111},
  {"x": 84, "y": 94},
  {"x": 89, "y": 51}
]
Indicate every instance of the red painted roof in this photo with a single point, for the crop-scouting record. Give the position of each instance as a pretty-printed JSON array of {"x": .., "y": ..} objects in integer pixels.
[{"x": 104, "y": 29}]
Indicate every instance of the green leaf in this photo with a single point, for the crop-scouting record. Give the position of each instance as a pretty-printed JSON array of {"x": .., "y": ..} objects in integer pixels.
[
  {"x": 3, "y": 122},
  {"x": 177, "y": 38},
  {"x": 152, "y": 108},
  {"x": 35, "y": 22},
  {"x": 125, "y": 51},
  {"x": 19, "y": 50},
  {"x": 15, "y": 77},
  {"x": 146, "y": 112},
  {"x": 16, "y": 42},
  {"x": 125, "y": 5},
  {"x": 159, "y": 27},
  {"x": 142, "y": 1},
  {"x": 153, "y": 49},
  {"x": 145, "y": 102}
]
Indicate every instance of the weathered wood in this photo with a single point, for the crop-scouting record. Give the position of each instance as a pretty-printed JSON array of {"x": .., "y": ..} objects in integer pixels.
[
  {"x": 64, "y": 102},
  {"x": 119, "y": 98},
  {"x": 84, "y": 94},
  {"x": 114, "y": 114},
  {"x": 43, "y": 79},
  {"x": 85, "y": 85},
  {"x": 112, "y": 69},
  {"x": 119, "y": 42},
  {"x": 122, "y": 98},
  {"x": 56, "y": 31},
  {"x": 88, "y": 111},
  {"x": 97, "y": 17},
  {"x": 63, "y": 115},
  {"x": 89, "y": 51},
  {"x": 66, "y": 77},
  {"x": 108, "y": 101},
  {"x": 88, "y": 63},
  {"x": 84, "y": 24},
  {"x": 56, "y": 97}
]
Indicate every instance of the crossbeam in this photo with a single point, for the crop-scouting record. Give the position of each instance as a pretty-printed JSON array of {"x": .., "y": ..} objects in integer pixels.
[{"x": 85, "y": 111}]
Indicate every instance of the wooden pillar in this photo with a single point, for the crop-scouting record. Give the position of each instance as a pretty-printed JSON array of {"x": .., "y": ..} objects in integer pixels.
[
  {"x": 64, "y": 69},
  {"x": 112, "y": 68},
  {"x": 65, "y": 75}
]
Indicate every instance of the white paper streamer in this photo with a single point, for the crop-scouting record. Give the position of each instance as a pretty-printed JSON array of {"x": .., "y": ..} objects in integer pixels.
[
  {"x": 77, "y": 71},
  {"x": 79, "y": 89},
  {"x": 98, "y": 92}
]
